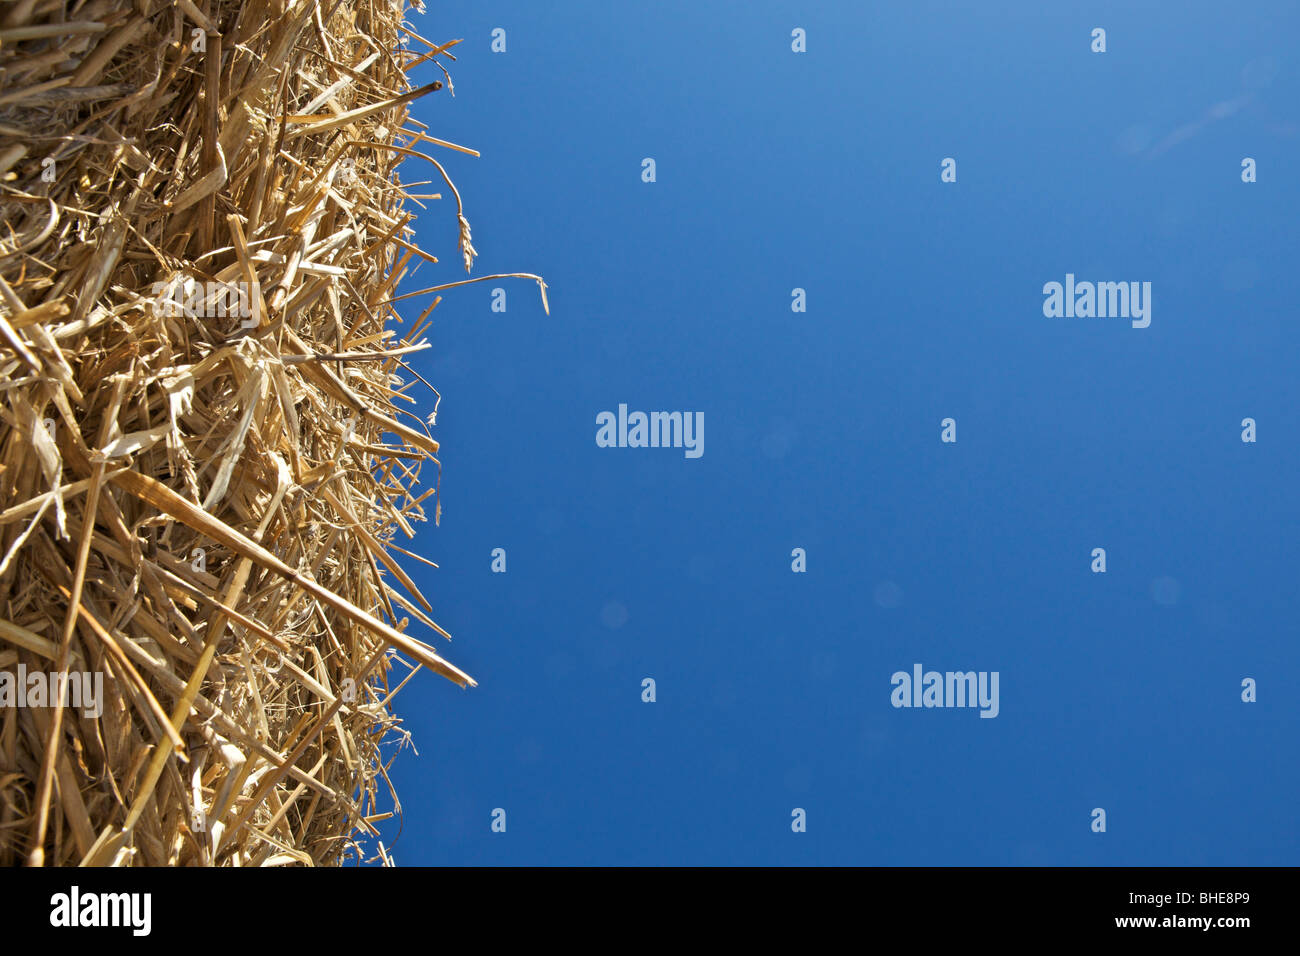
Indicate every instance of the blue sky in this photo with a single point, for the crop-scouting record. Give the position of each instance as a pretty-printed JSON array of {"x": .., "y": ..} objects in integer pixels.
[{"x": 821, "y": 170}]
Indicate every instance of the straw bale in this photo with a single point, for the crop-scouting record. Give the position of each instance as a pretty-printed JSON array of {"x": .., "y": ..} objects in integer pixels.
[{"x": 207, "y": 445}]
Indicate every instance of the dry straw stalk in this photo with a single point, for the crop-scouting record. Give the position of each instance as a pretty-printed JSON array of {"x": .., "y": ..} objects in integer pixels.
[{"x": 206, "y": 443}]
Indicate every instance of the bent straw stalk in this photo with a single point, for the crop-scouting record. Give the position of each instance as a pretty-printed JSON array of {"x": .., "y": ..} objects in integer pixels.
[{"x": 203, "y": 466}]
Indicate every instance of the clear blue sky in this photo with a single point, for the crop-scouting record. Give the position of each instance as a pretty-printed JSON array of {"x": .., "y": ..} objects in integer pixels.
[{"x": 821, "y": 170}]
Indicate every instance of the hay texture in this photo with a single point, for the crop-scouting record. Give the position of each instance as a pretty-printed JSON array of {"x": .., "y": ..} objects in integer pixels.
[{"x": 207, "y": 445}]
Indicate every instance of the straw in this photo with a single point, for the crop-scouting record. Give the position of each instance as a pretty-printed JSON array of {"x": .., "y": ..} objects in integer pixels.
[{"x": 204, "y": 467}]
